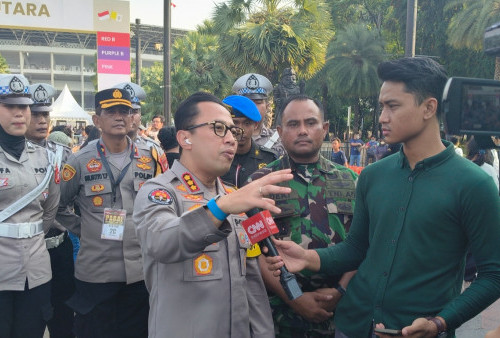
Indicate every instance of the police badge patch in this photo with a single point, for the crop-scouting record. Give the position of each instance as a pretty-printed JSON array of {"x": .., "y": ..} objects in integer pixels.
[
  {"x": 68, "y": 172},
  {"x": 160, "y": 196}
]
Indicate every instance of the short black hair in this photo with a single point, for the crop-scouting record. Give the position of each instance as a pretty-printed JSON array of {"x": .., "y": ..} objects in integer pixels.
[
  {"x": 161, "y": 117},
  {"x": 168, "y": 137},
  {"x": 301, "y": 97},
  {"x": 422, "y": 76},
  {"x": 188, "y": 109}
]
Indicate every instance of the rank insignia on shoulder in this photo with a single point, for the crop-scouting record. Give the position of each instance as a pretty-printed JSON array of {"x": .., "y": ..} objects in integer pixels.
[
  {"x": 94, "y": 165},
  {"x": 68, "y": 172},
  {"x": 144, "y": 159},
  {"x": 163, "y": 162},
  {"x": 4, "y": 182},
  {"x": 160, "y": 196},
  {"x": 191, "y": 183},
  {"x": 262, "y": 165},
  {"x": 203, "y": 265},
  {"x": 143, "y": 166}
]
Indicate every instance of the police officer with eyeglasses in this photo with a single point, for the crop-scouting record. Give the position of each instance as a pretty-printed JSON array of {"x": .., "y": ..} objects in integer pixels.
[{"x": 189, "y": 226}]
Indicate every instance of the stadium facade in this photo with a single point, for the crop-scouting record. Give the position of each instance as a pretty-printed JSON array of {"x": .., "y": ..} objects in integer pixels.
[{"x": 65, "y": 57}]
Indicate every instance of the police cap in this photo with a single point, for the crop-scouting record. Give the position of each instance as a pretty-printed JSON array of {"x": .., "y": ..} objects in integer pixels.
[
  {"x": 112, "y": 97},
  {"x": 137, "y": 94},
  {"x": 42, "y": 93},
  {"x": 243, "y": 107},
  {"x": 253, "y": 86},
  {"x": 14, "y": 89}
]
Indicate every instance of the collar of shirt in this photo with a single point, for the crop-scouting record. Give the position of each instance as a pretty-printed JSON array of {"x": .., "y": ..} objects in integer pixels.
[
  {"x": 192, "y": 184},
  {"x": 429, "y": 162}
]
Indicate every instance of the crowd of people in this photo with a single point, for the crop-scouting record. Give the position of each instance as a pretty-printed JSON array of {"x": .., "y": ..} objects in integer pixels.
[{"x": 157, "y": 217}]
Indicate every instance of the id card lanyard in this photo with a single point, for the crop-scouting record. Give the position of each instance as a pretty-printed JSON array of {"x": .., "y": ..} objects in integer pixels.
[{"x": 114, "y": 184}]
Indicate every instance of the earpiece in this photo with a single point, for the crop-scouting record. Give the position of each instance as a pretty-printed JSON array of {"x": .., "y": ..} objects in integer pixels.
[{"x": 187, "y": 141}]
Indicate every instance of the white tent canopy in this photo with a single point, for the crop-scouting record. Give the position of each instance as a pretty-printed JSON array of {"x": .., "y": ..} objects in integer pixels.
[{"x": 66, "y": 108}]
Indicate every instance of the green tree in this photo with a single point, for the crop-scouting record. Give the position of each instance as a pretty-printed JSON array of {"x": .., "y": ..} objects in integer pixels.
[
  {"x": 467, "y": 26},
  {"x": 4, "y": 67},
  {"x": 195, "y": 67},
  {"x": 351, "y": 67},
  {"x": 267, "y": 36}
]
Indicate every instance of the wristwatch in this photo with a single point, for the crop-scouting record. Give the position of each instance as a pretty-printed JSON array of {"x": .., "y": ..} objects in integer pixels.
[{"x": 440, "y": 326}]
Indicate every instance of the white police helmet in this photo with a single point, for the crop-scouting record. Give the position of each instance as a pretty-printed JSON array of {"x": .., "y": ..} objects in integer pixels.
[
  {"x": 14, "y": 89},
  {"x": 42, "y": 93},
  {"x": 136, "y": 93},
  {"x": 253, "y": 86}
]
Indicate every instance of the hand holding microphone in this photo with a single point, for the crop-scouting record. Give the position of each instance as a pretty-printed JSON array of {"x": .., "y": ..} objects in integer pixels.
[{"x": 259, "y": 227}]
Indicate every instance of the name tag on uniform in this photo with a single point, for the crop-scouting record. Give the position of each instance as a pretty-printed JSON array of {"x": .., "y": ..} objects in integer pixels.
[{"x": 113, "y": 224}]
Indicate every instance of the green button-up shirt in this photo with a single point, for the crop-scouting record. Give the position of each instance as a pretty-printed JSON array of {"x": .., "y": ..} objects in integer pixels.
[{"x": 409, "y": 236}]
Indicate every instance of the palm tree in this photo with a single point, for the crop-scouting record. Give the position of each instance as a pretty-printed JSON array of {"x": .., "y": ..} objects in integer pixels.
[
  {"x": 351, "y": 66},
  {"x": 4, "y": 67},
  {"x": 194, "y": 68},
  {"x": 267, "y": 36},
  {"x": 467, "y": 26}
]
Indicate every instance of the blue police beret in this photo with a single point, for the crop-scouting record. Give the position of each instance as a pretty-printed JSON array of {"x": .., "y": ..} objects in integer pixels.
[{"x": 243, "y": 107}]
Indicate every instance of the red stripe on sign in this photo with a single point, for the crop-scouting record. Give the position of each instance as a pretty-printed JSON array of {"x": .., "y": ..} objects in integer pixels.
[
  {"x": 103, "y": 13},
  {"x": 113, "y": 39}
]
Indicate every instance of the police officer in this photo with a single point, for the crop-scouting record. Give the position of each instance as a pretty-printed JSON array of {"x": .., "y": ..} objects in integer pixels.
[
  {"x": 316, "y": 214},
  {"x": 29, "y": 197},
  {"x": 249, "y": 156},
  {"x": 258, "y": 88},
  {"x": 57, "y": 240},
  {"x": 138, "y": 95},
  {"x": 103, "y": 179},
  {"x": 193, "y": 244}
]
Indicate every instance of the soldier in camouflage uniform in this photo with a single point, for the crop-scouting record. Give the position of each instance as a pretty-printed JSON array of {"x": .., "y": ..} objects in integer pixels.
[{"x": 316, "y": 214}]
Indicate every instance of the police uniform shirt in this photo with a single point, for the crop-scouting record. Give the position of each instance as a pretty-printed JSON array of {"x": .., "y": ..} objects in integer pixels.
[
  {"x": 86, "y": 181},
  {"x": 26, "y": 258},
  {"x": 195, "y": 272},
  {"x": 264, "y": 136},
  {"x": 244, "y": 165},
  {"x": 161, "y": 163}
]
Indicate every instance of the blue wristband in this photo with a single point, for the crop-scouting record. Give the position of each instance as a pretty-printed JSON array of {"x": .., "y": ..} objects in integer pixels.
[{"x": 215, "y": 210}]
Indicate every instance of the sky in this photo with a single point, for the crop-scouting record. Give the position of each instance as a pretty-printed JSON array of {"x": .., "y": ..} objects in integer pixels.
[{"x": 186, "y": 14}]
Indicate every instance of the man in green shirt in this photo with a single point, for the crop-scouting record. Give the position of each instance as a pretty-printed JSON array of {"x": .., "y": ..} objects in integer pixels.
[{"x": 417, "y": 212}]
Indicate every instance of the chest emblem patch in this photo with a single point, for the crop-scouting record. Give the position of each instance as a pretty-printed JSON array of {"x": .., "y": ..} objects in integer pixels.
[
  {"x": 144, "y": 159},
  {"x": 94, "y": 165},
  {"x": 143, "y": 166},
  {"x": 203, "y": 265},
  {"x": 97, "y": 201},
  {"x": 97, "y": 188}
]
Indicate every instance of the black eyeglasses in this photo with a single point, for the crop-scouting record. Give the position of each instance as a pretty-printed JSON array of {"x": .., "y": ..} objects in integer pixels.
[{"x": 220, "y": 129}]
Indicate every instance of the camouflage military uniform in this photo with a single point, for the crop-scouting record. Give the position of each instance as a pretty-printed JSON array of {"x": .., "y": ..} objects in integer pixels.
[{"x": 316, "y": 214}]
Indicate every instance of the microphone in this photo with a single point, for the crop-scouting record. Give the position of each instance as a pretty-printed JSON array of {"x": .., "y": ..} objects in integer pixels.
[{"x": 260, "y": 227}]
